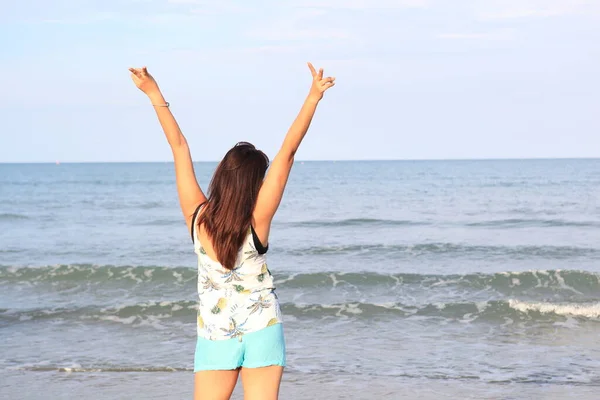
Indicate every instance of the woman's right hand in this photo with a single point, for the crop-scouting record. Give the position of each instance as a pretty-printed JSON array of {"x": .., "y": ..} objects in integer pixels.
[
  {"x": 319, "y": 84},
  {"x": 144, "y": 81}
]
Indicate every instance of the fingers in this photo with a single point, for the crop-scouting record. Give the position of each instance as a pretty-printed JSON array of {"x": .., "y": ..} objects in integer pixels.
[
  {"x": 136, "y": 71},
  {"x": 139, "y": 72},
  {"x": 318, "y": 75},
  {"x": 327, "y": 83},
  {"x": 312, "y": 70}
]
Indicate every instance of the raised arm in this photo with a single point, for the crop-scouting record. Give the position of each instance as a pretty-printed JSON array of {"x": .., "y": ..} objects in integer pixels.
[
  {"x": 273, "y": 187},
  {"x": 190, "y": 194}
]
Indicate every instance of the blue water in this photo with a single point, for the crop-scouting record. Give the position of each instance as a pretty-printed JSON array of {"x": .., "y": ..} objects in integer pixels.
[{"x": 398, "y": 279}]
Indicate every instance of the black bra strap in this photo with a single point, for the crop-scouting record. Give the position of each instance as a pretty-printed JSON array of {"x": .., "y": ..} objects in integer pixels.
[
  {"x": 194, "y": 220},
  {"x": 259, "y": 246}
]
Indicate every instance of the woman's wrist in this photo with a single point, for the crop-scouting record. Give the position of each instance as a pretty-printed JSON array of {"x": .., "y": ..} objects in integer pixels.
[
  {"x": 156, "y": 97},
  {"x": 311, "y": 99}
]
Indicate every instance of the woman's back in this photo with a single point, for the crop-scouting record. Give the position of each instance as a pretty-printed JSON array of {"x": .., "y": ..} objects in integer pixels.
[{"x": 234, "y": 301}]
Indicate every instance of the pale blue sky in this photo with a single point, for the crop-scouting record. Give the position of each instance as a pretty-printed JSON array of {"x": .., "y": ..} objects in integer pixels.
[{"x": 415, "y": 78}]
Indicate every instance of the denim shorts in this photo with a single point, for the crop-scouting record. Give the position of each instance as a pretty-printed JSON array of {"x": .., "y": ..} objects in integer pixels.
[{"x": 257, "y": 349}]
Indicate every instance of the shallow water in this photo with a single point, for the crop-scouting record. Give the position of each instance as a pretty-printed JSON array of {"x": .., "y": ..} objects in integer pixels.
[{"x": 432, "y": 279}]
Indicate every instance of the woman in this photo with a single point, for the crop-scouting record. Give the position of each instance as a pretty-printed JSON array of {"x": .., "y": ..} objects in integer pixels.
[{"x": 239, "y": 323}]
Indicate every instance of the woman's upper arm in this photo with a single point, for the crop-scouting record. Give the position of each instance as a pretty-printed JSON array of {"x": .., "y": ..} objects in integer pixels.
[
  {"x": 190, "y": 194},
  {"x": 271, "y": 193}
]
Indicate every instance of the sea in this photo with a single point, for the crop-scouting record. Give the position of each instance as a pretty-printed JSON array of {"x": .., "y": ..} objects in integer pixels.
[{"x": 397, "y": 280}]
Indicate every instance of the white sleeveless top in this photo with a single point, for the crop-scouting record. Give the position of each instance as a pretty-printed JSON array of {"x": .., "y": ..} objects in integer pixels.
[{"x": 234, "y": 302}]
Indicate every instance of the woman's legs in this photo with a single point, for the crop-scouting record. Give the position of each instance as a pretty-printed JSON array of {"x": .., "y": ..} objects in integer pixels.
[
  {"x": 261, "y": 383},
  {"x": 214, "y": 385},
  {"x": 264, "y": 360}
]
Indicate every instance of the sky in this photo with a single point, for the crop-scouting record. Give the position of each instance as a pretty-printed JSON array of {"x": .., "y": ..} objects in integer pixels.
[{"x": 416, "y": 79}]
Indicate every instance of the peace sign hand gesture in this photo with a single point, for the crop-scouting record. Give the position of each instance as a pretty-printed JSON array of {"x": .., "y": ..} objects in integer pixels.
[
  {"x": 143, "y": 80},
  {"x": 319, "y": 84}
]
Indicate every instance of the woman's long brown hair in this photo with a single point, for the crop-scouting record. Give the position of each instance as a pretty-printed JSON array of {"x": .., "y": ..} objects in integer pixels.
[{"x": 232, "y": 195}]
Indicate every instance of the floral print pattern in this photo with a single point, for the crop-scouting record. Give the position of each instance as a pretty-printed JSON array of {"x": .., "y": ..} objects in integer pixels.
[{"x": 234, "y": 302}]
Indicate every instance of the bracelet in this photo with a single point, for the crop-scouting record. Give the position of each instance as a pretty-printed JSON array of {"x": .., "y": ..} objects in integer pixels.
[{"x": 161, "y": 105}]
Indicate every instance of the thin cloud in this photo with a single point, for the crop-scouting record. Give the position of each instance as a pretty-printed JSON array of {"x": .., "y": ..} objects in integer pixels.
[
  {"x": 520, "y": 9},
  {"x": 364, "y": 4},
  {"x": 210, "y": 7},
  {"x": 298, "y": 25},
  {"x": 273, "y": 49},
  {"x": 499, "y": 35},
  {"x": 79, "y": 20},
  {"x": 291, "y": 34}
]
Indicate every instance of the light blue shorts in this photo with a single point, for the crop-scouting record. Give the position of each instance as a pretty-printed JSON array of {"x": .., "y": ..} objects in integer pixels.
[{"x": 256, "y": 349}]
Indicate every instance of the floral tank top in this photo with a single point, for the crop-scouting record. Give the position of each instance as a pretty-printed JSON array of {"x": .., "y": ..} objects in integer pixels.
[{"x": 234, "y": 302}]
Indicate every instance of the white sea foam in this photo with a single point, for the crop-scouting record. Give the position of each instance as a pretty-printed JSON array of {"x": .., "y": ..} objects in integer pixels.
[
  {"x": 291, "y": 277},
  {"x": 334, "y": 280},
  {"x": 562, "y": 283},
  {"x": 130, "y": 274},
  {"x": 481, "y": 306},
  {"x": 568, "y": 309},
  {"x": 178, "y": 277},
  {"x": 352, "y": 308},
  {"x": 114, "y": 318}
]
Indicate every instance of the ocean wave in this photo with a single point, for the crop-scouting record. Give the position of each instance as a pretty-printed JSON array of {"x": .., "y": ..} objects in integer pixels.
[
  {"x": 580, "y": 282},
  {"x": 56, "y": 368},
  {"x": 500, "y": 223},
  {"x": 355, "y": 222},
  {"x": 452, "y": 250},
  {"x": 132, "y": 205},
  {"x": 492, "y": 311},
  {"x": 92, "y": 182},
  {"x": 88, "y": 273},
  {"x": 586, "y": 378},
  {"x": 12, "y": 217},
  {"x": 128, "y": 314},
  {"x": 494, "y": 376},
  {"x": 533, "y": 223},
  {"x": 160, "y": 222},
  {"x": 584, "y": 310},
  {"x": 511, "y": 283}
]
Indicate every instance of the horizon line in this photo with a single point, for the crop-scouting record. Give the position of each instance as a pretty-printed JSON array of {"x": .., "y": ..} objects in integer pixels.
[{"x": 317, "y": 160}]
